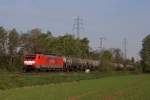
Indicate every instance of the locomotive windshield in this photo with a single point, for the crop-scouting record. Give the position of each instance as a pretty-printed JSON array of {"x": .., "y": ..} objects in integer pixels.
[{"x": 30, "y": 57}]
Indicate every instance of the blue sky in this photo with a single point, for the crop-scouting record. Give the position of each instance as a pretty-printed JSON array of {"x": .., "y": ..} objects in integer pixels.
[{"x": 113, "y": 19}]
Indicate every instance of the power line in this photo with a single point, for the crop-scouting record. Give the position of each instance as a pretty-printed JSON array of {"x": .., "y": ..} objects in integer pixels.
[{"x": 78, "y": 26}]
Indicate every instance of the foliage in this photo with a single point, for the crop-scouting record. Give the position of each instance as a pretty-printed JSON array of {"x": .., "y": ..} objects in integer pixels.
[
  {"x": 117, "y": 56},
  {"x": 105, "y": 60},
  {"x": 13, "y": 45},
  {"x": 145, "y": 54},
  {"x": 3, "y": 40}
]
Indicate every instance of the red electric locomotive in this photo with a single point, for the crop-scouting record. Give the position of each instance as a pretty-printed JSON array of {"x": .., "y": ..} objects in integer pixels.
[{"x": 43, "y": 61}]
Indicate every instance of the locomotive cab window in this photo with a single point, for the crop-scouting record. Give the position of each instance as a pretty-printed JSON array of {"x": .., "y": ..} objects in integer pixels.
[{"x": 29, "y": 58}]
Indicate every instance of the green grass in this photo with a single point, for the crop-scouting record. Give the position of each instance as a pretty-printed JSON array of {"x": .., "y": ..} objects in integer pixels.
[
  {"x": 13, "y": 80},
  {"x": 129, "y": 87}
]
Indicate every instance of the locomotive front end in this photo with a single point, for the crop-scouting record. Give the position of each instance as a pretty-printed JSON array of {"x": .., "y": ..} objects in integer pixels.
[{"x": 29, "y": 61}]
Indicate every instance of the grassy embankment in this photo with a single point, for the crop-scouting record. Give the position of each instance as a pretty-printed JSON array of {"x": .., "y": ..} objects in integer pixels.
[
  {"x": 129, "y": 87},
  {"x": 13, "y": 80}
]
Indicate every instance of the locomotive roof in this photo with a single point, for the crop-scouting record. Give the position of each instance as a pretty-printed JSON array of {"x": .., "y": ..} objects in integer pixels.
[{"x": 46, "y": 54}]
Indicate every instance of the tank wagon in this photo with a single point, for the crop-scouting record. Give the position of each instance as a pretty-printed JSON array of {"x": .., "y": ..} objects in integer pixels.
[
  {"x": 46, "y": 62},
  {"x": 80, "y": 64}
]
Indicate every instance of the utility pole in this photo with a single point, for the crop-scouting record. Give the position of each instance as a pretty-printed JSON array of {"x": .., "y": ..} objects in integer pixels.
[
  {"x": 78, "y": 26},
  {"x": 125, "y": 48},
  {"x": 101, "y": 42}
]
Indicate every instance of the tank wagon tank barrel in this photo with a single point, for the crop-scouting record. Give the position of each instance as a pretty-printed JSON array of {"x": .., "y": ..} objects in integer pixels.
[{"x": 81, "y": 64}]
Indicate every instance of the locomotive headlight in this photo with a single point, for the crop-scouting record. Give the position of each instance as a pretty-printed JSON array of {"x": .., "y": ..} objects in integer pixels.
[{"x": 29, "y": 62}]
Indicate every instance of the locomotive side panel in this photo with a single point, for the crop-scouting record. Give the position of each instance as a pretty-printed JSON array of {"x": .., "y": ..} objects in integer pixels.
[
  {"x": 41, "y": 61},
  {"x": 47, "y": 61}
]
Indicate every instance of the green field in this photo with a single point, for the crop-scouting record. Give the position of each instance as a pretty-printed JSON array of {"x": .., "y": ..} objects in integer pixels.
[
  {"x": 129, "y": 87},
  {"x": 15, "y": 80}
]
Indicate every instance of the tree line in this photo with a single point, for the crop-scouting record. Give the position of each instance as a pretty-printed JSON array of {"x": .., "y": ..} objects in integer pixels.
[{"x": 14, "y": 44}]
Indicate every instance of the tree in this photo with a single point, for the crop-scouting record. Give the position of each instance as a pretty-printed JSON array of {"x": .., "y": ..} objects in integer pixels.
[
  {"x": 133, "y": 60},
  {"x": 105, "y": 60},
  {"x": 25, "y": 42},
  {"x": 145, "y": 54},
  {"x": 13, "y": 44},
  {"x": 84, "y": 47},
  {"x": 3, "y": 41},
  {"x": 13, "y": 41},
  {"x": 117, "y": 56},
  {"x": 36, "y": 41},
  {"x": 3, "y": 48},
  {"x": 67, "y": 45}
]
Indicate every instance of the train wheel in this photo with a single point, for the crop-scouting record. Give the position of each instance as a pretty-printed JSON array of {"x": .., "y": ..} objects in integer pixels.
[{"x": 24, "y": 69}]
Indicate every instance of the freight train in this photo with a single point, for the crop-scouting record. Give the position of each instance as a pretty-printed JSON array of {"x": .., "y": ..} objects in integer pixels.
[{"x": 39, "y": 61}]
